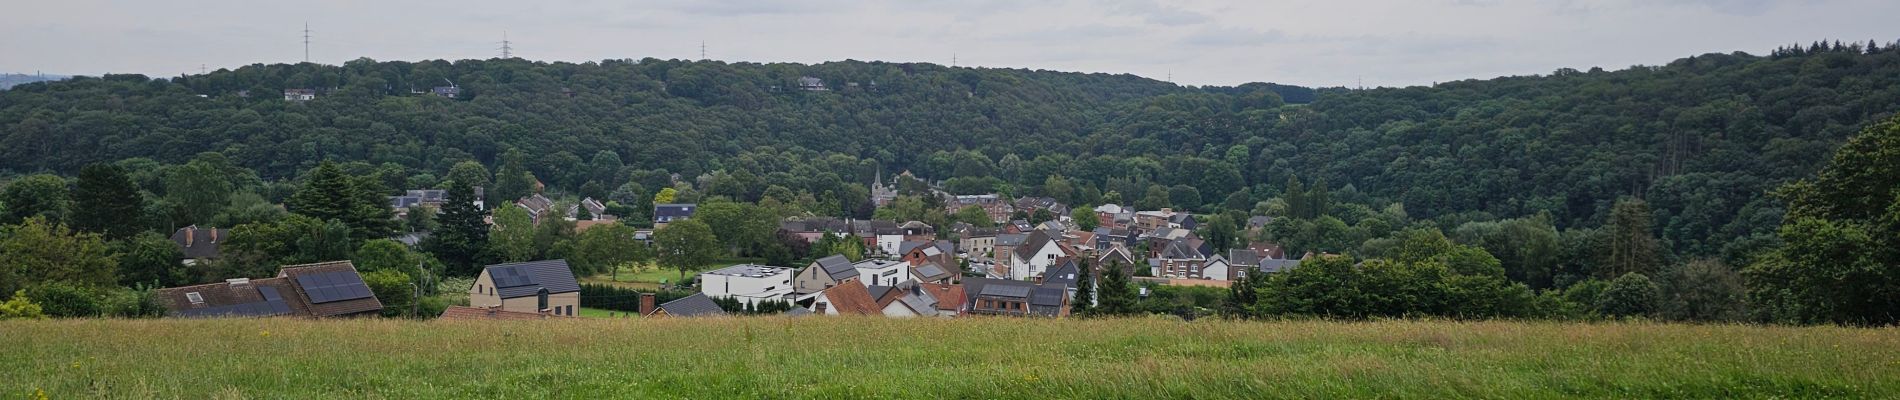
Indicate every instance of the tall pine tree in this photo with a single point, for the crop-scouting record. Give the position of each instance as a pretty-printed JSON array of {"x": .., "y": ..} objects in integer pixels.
[
  {"x": 105, "y": 201},
  {"x": 461, "y": 236}
]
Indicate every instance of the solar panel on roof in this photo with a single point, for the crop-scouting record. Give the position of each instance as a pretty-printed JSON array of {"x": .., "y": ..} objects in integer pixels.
[{"x": 324, "y": 287}]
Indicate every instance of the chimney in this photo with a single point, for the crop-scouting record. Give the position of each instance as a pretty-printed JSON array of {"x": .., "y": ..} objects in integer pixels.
[
  {"x": 214, "y": 235},
  {"x": 646, "y": 304},
  {"x": 191, "y": 233}
]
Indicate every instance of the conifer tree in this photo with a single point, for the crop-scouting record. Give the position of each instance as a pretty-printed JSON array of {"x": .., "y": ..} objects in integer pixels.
[
  {"x": 105, "y": 201},
  {"x": 461, "y": 235}
]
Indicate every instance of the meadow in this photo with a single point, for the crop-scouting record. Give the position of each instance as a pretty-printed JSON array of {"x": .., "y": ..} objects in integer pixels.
[{"x": 815, "y": 357}]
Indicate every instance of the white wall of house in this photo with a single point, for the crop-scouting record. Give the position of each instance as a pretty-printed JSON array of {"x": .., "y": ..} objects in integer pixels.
[
  {"x": 890, "y": 243},
  {"x": 1216, "y": 270},
  {"x": 883, "y": 273},
  {"x": 897, "y": 309},
  {"x": 746, "y": 288},
  {"x": 829, "y": 309}
]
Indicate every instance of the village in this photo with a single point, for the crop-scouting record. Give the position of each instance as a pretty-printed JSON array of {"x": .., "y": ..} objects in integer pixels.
[{"x": 1036, "y": 260}]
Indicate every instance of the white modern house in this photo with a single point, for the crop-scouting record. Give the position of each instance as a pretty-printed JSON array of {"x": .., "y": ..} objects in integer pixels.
[
  {"x": 883, "y": 272},
  {"x": 750, "y": 283}
]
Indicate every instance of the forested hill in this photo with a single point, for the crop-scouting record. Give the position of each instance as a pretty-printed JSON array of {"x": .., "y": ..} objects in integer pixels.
[{"x": 1701, "y": 138}]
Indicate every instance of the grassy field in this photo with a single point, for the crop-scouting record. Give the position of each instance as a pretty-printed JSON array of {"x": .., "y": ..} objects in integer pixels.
[{"x": 753, "y": 358}]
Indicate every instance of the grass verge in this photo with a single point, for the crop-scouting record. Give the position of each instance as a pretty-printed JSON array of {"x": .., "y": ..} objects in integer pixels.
[{"x": 816, "y": 357}]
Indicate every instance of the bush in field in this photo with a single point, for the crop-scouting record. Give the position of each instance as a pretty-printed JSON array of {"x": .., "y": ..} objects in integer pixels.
[
  {"x": 20, "y": 307},
  {"x": 61, "y": 300}
]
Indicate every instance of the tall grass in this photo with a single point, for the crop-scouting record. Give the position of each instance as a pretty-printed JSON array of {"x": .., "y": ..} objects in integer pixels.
[{"x": 816, "y": 357}]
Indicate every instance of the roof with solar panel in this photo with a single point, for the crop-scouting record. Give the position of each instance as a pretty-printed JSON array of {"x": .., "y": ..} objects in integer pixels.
[
  {"x": 524, "y": 279},
  {"x": 308, "y": 290}
]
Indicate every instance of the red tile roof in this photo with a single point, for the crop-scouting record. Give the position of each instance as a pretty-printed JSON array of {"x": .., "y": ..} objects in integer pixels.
[{"x": 852, "y": 298}]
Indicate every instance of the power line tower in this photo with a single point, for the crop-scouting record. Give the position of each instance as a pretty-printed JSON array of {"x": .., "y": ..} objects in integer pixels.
[
  {"x": 953, "y": 60},
  {"x": 507, "y": 47},
  {"x": 306, "y": 40},
  {"x": 702, "y": 50}
]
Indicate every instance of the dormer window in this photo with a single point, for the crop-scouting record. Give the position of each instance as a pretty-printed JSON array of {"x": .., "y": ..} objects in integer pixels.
[{"x": 195, "y": 298}]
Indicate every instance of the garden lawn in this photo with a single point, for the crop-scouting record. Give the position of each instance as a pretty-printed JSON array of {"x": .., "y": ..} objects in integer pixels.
[{"x": 833, "y": 357}]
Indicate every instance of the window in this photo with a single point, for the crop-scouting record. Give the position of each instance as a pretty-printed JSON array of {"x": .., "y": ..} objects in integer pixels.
[
  {"x": 479, "y": 289},
  {"x": 195, "y": 298},
  {"x": 542, "y": 299}
]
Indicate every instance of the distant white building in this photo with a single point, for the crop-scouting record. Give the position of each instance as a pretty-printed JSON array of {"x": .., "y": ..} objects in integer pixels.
[
  {"x": 750, "y": 283},
  {"x": 883, "y": 272}
]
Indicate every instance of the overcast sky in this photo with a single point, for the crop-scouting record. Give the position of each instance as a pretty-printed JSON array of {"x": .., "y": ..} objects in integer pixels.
[{"x": 1199, "y": 42}]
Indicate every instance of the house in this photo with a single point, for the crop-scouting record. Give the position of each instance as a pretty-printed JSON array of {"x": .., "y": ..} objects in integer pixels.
[
  {"x": 595, "y": 208},
  {"x": 950, "y": 299},
  {"x": 536, "y": 205},
  {"x": 824, "y": 273},
  {"x": 478, "y": 313},
  {"x": 1113, "y": 216},
  {"x": 300, "y": 94},
  {"x": 1105, "y": 237},
  {"x": 849, "y": 298},
  {"x": 1031, "y": 204},
  {"x": 940, "y": 252},
  {"x": 696, "y": 305},
  {"x": 977, "y": 242},
  {"x": 991, "y": 204},
  {"x": 889, "y": 240},
  {"x": 918, "y": 230},
  {"x": 1018, "y": 226},
  {"x": 811, "y": 84},
  {"x": 882, "y": 272},
  {"x": 1116, "y": 255},
  {"x": 329, "y": 289},
  {"x": 198, "y": 243},
  {"x": 1258, "y": 221},
  {"x": 530, "y": 287},
  {"x": 984, "y": 296},
  {"x": 1272, "y": 265},
  {"x": 1178, "y": 259},
  {"x": 1183, "y": 220},
  {"x": 749, "y": 283},
  {"x": 433, "y": 198},
  {"x": 1241, "y": 261},
  {"x": 882, "y": 194},
  {"x": 1217, "y": 268},
  {"x": 666, "y": 213},
  {"x": 1005, "y": 243},
  {"x": 814, "y": 228},
  {"x": 1166, "y": 218},
  {"x": 1038, "y": 252},
  {"x": 907, "y": 301},
  {"x": 934, "y": 273},
  {"x": 446, "y": 91}
]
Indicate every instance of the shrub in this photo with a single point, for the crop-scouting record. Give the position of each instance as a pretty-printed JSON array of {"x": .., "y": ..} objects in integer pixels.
[
  {"x": 62, "y": 300},
  {"x": 20, "y": 307}
]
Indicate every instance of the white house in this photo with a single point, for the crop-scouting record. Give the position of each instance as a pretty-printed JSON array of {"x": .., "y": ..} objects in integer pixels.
[
  {"x": 750, "y": 283},
  {"x": 883, "y": 272},
  {"x": 1037, "y": 253},
  {"x": 1217, "y": 268},
  {"x": 891, "y": 241}
]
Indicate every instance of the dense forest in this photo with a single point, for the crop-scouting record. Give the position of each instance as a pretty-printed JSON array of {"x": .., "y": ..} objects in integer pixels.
[{"x": 1566, "y": 186}]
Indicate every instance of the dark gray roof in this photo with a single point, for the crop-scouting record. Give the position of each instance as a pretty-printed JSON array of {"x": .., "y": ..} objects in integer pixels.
[
  {"x": 1180, "y": 250},
  {"x": 1259, "y": 221},
  {"x": 1277, "y": 265},
  {"x": 1243, "y": 257},
  {"x": 837, "y": 266},
  {"x": 1047, "y": 296},
  {"x": 877, "y": 292},
  {"x": 670, "y": 212},
  {"x": 693, "y": 306},
  {"x": 931, "y": 272},
  {"x": 203, "y": 241},
  {"x": 1034, "y": 243},
  {"x": 1064, "y": 274},
  {"x": 1012, "y": 291},
  {"x": 1010, "y": 239},
  {"x": 528, "y": 278}
]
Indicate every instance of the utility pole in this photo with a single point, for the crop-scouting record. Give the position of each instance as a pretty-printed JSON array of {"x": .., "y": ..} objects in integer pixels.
[
  {"x": 953, "y": 60},
  {"x": 507, "y": 48},
  {"x": 306, "y": 41}
]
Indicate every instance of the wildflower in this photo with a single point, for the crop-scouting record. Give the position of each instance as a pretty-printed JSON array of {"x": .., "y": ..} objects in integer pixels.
[
  {"x": 263, "y": 333},
  {"x": 38, "y": 394}
]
